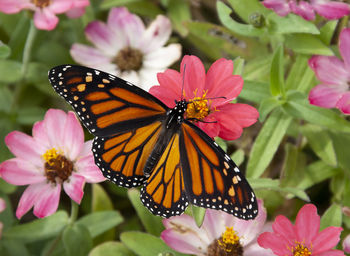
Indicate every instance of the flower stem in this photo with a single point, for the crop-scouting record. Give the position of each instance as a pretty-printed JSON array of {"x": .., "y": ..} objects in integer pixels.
[{"x": 73, "y": 212}]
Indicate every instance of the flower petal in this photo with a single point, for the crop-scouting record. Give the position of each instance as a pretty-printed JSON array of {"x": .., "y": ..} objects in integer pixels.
[
  {"x": 130, "y": 26},
  {"x": 25, "y": 147},
  {"x": 74, "y": 187},
  {"x": 331, "y": 253},
  {"x": 326, "y": 239},
  {"x": 54, "y": 121},
  {"x": 170, "y": 87},
  {"x": 45, "y": 19},
  {"x": 346, "y": 244},
  {"x": 87, "y": 168},
  {"x": 212, "y": 129},
  {"x": 254, "y": 249},
  {"x": 156, "y": 35},
  {"x": 2, "y": 205},
  {"x": 281, "y": 7},
  {"x": 73, "y": 136},
  {"x": 274, "y": 242},
  {"x": 307, "y": 224},
  {"x": 59, "y": 6},
  {"x": 330, "y": 9},
  {"x": 20, "y": 172},
  {"x": 214, "y": 223},
  {"x": 40, "y": 134},
  {"x": 194, "y": 76},
  {"x": 162, "y": 57},
  {"x": 344, "y": 47},
  {"x": 344, "y": 103},
  {"x": 47, "y": 201},
  {"x": 303, "y": 9},
  {"x": 329, "y": 70},
  {"x": 102, "y": 37},
  {"x": 325, "y": 96},
  {"x": 283, "y": 227},
  {"x": 14, "y": 6}
]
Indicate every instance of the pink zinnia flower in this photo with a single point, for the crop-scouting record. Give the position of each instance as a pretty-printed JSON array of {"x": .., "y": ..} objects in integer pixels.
[
  {"x": 2, "y": 208},
  {"x": 45, "y": 11},
  {"x": 307, "y": 9},
  {"x": 334, "y": 74},
  {"x": 55, "y": 156},
  {"x": 303, "y": 238},
  {"x": 209, "y": 110},
  {"x": 220, "y": 234},
  {"x": 124, "y": 47}
]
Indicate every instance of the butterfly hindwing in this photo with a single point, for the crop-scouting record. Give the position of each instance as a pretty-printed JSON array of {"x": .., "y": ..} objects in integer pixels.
[
  {"x": 212, "y": 180},
  {"x": 122, "y": 157},
  {"x": 105, "y": 103},
  {"x": 164, "y": 192}
]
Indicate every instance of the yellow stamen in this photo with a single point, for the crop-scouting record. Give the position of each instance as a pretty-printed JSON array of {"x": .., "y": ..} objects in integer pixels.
[
  {"x": 198, "y": 107},
  {"x": 50, "y": 154},
  {"x": 229, "y": 237},
  {"x": 300, "y": 249},
  {"x": 57, "y": 167}
]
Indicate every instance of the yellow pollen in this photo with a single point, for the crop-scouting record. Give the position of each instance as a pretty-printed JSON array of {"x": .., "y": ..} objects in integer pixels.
[
  {"x": 229, "y": 237},
  {"x": 50, "y": 154},
  {"x": 300, "y": 250},
  {"x": 198, "y": 107}
]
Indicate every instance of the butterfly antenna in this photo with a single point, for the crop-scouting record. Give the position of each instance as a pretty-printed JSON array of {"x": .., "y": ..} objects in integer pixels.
[{"x": 183, "y": 82}]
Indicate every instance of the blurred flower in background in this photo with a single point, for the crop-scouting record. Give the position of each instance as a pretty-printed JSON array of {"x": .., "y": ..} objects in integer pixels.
[
  {"x": 303, "y": 238},
  {"x": 334, "y": 74},
  {"x": 56, "y": 155},
  {"x": 2, "y": 208},
  {"x": 124, "y": 47},
  {"x": 308, "y": 9},
  {"x": 217, "y": 116},
  {"x": 346, "y": 244},
  {"x": 45, "y": 11},
  {"x": 220, "y": 234}
]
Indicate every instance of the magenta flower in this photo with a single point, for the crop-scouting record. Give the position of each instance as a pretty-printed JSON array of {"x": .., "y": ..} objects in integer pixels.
[
  {"x": 334, "y": 74},
  {"x": 124, "y": 47},
  {"x": 346, "y": 244},
  {"x": 45, "y": 11},
  {"x": 220, "y": 234},
  {"x": 55, "y": 156},
  {"x": 328, "y": 9},
  {"x": 303, "y": 238},
  {"x": 2, "y": 208},
  {"x": 209, "y": 110}
]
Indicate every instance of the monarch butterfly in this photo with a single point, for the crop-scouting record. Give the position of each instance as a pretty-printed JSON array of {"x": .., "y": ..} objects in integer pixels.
[{"x": 140, "y": 141}]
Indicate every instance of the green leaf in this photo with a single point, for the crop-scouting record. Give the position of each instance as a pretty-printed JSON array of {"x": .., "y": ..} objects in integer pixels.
[
  {"x": 198, "y": 214},
  {"x": 10, "y": 71},
  {"x": 238, "y": 157},
  {"x": 140, "y": 7},
  {"x": 29, "y": 115},
  {"x": 289, "y": 24},
  {"x": 111, "y": 249},
  {"x": 145, "y": 244},
  {"x": 277, "y": 73},
  {"x": 76, "y": 240},
  {"x": 327, "y": 31},
  {"x": 267, "y": 142},
  {"x": 331, "y": 217},
  {"x": 241, "y": 29},
  {"x": 320, "y": 142},
  {"x": 107, "y": 4},
  {"x": 307, "y": 44},
  {"x": 341, "y": 145},
  {"x": 246, "y": 9},
  {"x": 153, "y": 224},
  {"x": 39, "y": 229},
  {"x": 298, "y": 106},
  {"x": 255, "y": 91},
  {"x": 100, "y": 199},
  {"x": 5, "y": 51},
  {"x": 258, "y": 69},
  {"x": 13, "y": 248},
  {"x": 179, "y": 12},
  {"x": 99, "y": 222},
  {"x": 238, "y": 64},
  {"x": 266, "y": 106},
  {"x": 6, "y": 99}
]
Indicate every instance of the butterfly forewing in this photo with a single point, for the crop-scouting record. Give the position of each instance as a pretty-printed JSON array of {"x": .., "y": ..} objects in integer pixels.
[
  {"x": 105, "y": 104},
  {"x": 212, "y": 180}
]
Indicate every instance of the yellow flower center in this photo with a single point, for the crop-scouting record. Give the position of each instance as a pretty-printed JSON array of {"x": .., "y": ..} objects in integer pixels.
[
  {"x": 227, "y": 245},
  {"x": 129, "y": 59},
  {"x": 300, "y": 249},
  {"x": 57, "y": 167},
  {"x": 41, "y": 3},
  {"x": 198, "y": 107}
]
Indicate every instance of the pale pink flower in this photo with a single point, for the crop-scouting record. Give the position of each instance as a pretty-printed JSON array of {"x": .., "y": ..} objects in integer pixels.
[
  {"x": 334, "y": 74},
  {"x": 45, "y": 11},
  {"x": 303, "y": 238},
  {"x": 209, "y": 110},
  {"x": 2, "y": 208},
  {"x": 346, "y": 244},
  {"x": 55, "y": 156},
  {"x": 220, "y": 232},
  {"x": 124, "y": 47},
  {"x": 307, "y": 9}
]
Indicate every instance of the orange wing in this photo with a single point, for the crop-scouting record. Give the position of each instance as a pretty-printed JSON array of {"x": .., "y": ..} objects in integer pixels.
[
  {"x": 212, "y": 180},
  {"x": 164, "y": 193},
  {"x": 122, "y": 157},
  {"x": 105, "y": 104}
]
